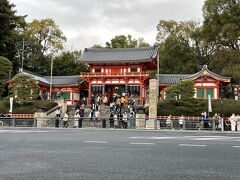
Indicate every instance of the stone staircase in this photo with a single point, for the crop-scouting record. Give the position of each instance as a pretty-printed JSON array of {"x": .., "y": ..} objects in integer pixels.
[{"x": 104, "y": 111}]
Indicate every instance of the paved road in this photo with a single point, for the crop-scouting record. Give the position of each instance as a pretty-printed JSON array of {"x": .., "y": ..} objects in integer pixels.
[{"x": 117, "y": 154}]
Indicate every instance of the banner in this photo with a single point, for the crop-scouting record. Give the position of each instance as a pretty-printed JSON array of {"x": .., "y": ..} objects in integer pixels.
[
  {"x": 209, "y": 104},
  {"x": 11, "y": 104}
]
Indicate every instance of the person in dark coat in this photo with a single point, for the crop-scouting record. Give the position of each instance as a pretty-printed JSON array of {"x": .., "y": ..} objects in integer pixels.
[{"x": 111, "y": 120}]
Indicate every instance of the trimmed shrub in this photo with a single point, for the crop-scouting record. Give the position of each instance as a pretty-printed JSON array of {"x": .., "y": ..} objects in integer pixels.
[{"x": 194, "y": 107}]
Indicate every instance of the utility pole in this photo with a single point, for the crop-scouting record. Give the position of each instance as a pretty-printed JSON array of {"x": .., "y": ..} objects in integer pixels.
[
  {"x": 221, "y": 107},
  {"x": 23, "y": 53},
  {"x": 158, "y": 74}
]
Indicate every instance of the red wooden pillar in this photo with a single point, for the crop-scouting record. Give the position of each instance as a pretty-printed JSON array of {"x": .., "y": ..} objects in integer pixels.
[
  {"x": 89, "y": 90},
  {"x": 218, "y": 92},
  {"x": 141, "y": 94}
]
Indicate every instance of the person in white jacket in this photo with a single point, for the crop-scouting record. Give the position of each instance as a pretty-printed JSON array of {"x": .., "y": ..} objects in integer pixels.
[
  {"x": 232, "y": 120},
  {"x": 65, "y": 120},
  {"x": 238, "y": 122},
  {"x": 76, "y": 118},
  {"x": 181, "y": 121},
  {"x": 169, "y": 122}
]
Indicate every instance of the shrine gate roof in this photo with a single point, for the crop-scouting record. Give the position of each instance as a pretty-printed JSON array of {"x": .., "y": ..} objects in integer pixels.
[{"x": 116, "y": 55}]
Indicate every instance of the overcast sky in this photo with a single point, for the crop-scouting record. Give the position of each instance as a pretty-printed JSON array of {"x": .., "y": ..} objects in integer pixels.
[{"x": 88, "y": 22}]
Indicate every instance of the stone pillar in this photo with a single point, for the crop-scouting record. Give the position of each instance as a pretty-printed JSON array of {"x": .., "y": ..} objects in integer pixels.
[
  {"x": 152, "y": 122},
  {"x": 41, "y": 118},
  {"x": 140, "y": 121}
]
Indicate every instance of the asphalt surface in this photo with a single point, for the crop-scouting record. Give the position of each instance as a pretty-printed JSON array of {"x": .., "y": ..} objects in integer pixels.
[{"x": 30, "y": 153}]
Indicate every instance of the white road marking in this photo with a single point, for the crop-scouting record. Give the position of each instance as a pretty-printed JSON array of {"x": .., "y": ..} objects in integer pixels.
[
  {"x": 236, "y": 146},
  {"x": 193, "y": 145},
  {"x": 139, "y": 143},
  {"x": 151, "y": 137},
  {"x": 24, "y": 131},
  {"x": 100, "y": 142},
  {"x": 193, "y": 138},
  {"x": 217, "y": 138},
  {"x": 1, "y": 131}
]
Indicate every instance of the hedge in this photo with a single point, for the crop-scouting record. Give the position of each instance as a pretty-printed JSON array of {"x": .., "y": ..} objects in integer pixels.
[{"x": 195, "y": 107}]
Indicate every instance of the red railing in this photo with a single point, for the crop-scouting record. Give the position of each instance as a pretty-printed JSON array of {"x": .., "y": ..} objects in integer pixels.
[{"x": 126, "y": 74}]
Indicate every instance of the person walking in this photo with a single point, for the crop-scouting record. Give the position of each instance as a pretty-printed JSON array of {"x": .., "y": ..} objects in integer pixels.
[
  {"x": 232, "y": 120},
  {"x": 205, "y": 120},
  {"x": 238, "y": 122},
  {"x": 169, "y": 122},
  {"x": 65, "y": 120},
  {"x": 216, "y": 119},
  {"x": 81, "y": 113},
  {"x": 111, "y": 120},
  {"x": 181, "y": 121},
  {"x": 122, "y": 101},
  {"x": 76, "y": 119},
  {"x": 125, "y": 119},
  {"x": 105, "y": 100},
  {"x": 97, "y": 113},
  {"x": 58, "y": 115}
]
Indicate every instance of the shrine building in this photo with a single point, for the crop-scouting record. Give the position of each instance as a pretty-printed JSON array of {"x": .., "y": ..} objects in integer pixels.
[
  {"x": 70, "y": 87},
  {"x": 205, "y": 81},
  {"x": 120, "y": 70}
]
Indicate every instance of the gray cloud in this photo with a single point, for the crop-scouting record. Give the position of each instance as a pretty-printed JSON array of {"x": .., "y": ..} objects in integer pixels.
[{"x": 96, "y": 21}]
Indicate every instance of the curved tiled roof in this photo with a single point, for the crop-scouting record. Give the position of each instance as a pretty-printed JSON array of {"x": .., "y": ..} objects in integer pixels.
[
  {"x": 171, "y": 78},
  {"x": 114, "y": 55},
  {"x": 64, "y": 80},
  {"x": 56, "y": 80},
  {"x": 176, "y": 78},
  {"x": 205, "y": 70}
]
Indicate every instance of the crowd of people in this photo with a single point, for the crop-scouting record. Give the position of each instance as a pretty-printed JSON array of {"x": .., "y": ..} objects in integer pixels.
[{"x": 120, "y": 110}]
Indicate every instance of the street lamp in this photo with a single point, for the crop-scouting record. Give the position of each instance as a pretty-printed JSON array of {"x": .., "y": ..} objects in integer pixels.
[{"x": 50, "y": 93}]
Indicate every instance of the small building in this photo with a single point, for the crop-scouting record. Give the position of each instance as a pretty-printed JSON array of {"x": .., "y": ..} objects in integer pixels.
[
  {"x": 68, "y": 87},
  {"x": 120, "y": 70},
  {"x": 205, "y": 81}
]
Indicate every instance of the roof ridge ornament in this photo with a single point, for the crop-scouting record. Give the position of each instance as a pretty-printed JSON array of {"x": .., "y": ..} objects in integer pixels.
[{"x": 205, "y": 66}]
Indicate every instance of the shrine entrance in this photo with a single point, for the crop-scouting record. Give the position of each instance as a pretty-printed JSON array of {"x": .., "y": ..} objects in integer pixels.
[{"x": 115, "y": 90}]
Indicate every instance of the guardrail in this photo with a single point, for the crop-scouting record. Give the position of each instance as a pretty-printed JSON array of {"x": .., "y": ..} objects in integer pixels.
[
  {"x": 17, "y": 121},
  {"x": 130, "y": 123}
]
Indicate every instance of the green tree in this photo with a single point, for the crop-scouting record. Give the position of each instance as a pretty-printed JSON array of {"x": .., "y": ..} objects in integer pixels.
[
  {"x": 183, "y": 91},
  {"x": 222, "y": 23},
  {"x": 177, "y": 49},
  {"x": 41, "y": 39},
  {"x": 122, "y": 41},
  {"x": 23, "y": 87},
  {"x": 9, "y": 22},
  {"x": 221, "y": 28},
  {"x": 66, "y": 64},
  {"x": 142, "y": 43},
  {"x": 5, "y": 69},
  {"x": 47, "y": 34},
  {"x": 185, "y": 103},
  {"x": 97, "y": 46}
]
